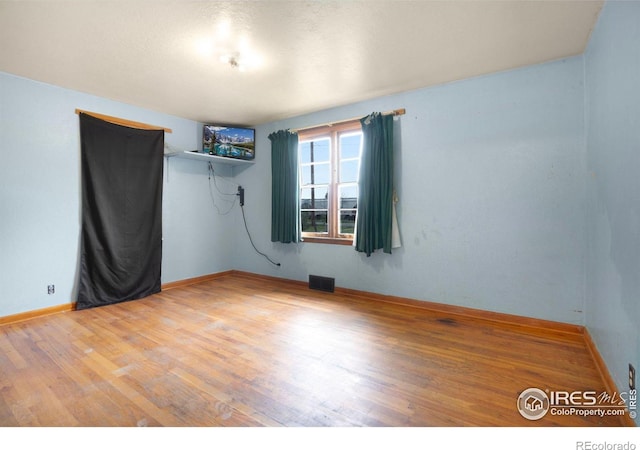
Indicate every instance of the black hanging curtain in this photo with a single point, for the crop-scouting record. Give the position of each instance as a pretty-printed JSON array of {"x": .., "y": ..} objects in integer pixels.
[{"x": 121, "y": 250}]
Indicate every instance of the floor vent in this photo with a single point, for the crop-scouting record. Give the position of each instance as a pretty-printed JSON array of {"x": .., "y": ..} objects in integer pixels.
[{"x": 321, "y": 283}]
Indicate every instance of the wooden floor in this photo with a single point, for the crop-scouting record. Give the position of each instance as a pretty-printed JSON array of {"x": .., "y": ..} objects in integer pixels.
[{"x": 244, "y": 351}]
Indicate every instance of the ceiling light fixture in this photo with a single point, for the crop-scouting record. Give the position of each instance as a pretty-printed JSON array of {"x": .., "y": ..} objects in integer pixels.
[
  {"x": 234, "y": 50},
  {"x": 233, "y": 62},
  {"x": 239, "y": 61}
]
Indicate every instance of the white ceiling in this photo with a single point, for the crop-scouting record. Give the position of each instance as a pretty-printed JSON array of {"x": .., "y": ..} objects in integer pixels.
[{"x": 306, "y": 55}]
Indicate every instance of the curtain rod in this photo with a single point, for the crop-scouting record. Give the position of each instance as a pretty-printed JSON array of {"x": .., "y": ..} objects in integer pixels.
[
  {"x": 395, "y": 112},
  {"x": 125, "y": 122}
]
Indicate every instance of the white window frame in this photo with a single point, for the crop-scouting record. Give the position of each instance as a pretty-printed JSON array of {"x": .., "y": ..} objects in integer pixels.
[{"x": 333, "y": 133}]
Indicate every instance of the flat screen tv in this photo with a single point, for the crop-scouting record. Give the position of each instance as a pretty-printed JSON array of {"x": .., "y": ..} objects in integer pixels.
[{"x": 230, "y": 142}]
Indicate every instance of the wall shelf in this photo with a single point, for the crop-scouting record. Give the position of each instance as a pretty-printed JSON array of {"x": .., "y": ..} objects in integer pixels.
[{"x": 210, "y": 158}]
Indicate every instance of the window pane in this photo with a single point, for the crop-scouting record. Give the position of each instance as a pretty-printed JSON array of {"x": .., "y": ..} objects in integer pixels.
[
  {"x": 347, "y": 221},
  {"x": 321, "y": 150},
  {"x": 305, "y": 175},
  {"x": 314, "y": 198},
  {"x": 314, "y": 221},
  {"x": 349, "y": 171},
  {"x": 348, "y": 196},
  {"x": 304, "y": 152},
  {"x": 350, "y": 145},
  {"x": 314, "y": 151},
  {"x": 315, "y": 174}
]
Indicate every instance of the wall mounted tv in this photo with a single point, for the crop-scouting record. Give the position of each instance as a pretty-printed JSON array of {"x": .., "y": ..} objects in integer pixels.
[{"x": 230, "y": 142}]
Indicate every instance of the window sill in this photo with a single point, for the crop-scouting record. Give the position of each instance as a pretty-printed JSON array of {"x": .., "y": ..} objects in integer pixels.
[{"x": 322, "y": 240}]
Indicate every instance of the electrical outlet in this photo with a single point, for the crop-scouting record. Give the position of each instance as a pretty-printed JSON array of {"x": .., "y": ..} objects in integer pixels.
[
  {"x": 51, "y": 289},
  {"x": 632, "y": 377}
]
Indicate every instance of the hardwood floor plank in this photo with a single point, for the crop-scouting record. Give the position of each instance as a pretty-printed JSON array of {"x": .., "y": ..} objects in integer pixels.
[{"x": 240, "y": 351}]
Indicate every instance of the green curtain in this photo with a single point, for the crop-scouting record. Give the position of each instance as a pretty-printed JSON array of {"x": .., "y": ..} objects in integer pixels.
[
  {"x": 285, "y": 220},
  {"x": 375, "y": 186}
]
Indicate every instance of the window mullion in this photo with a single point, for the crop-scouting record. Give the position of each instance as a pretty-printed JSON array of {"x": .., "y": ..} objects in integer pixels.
[{"x": 334, "y": 206}]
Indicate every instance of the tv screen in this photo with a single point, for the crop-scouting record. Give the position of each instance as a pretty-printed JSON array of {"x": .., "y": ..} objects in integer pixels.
[{"x": 231, "y": 142}]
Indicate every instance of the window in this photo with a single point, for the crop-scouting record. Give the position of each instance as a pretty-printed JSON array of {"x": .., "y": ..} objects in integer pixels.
[{"x": 329, "y": 159}]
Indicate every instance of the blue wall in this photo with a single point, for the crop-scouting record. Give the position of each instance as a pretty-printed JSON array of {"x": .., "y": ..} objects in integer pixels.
[
  {"x": 40, "y": 195},
  {"x": 612, "y": 73},
  {"x": 490, "y": 175}
]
